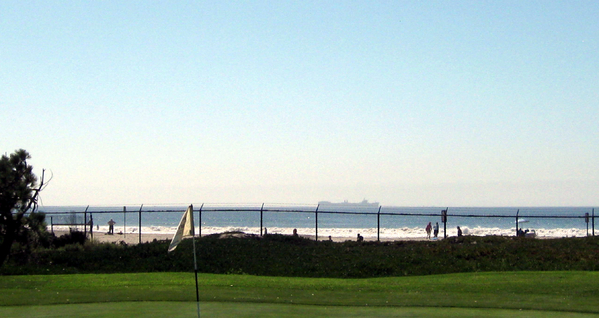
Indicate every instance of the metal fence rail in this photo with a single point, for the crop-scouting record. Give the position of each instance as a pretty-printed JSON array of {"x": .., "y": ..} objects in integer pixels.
[{"x": 85, "y": 219}]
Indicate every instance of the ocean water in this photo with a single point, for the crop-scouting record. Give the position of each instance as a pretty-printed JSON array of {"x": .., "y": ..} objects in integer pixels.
[{"x": 340, "y": 222}]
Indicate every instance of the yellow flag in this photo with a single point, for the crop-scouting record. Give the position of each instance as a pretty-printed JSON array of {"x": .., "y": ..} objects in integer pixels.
[{"x": 185, "y": 229}]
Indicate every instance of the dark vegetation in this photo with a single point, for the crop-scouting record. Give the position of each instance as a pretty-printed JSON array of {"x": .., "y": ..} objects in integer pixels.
[
  {"x": 19, "y": 190},
  {"x": 278, "y": 255}
]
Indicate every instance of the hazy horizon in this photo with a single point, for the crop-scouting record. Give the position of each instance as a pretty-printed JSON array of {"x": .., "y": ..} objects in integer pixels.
[{"x": 408, "y": 103}]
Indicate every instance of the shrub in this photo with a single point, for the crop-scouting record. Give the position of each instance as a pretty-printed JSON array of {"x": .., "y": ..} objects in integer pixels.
[{"x": 73, "y": 237}]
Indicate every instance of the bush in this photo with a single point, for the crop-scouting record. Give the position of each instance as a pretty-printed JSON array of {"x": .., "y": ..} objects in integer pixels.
[
  {"x": 73, "y": 237},
  {"x": 279, "y": 255}
]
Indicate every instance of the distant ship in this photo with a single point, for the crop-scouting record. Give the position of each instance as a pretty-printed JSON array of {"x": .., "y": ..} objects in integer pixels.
[{"x": 363, "y": 204}]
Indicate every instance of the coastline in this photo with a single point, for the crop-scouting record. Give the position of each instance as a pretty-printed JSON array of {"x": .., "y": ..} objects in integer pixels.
[
  {"x": 130, "y": 235},
  {"x": 134, "y": 238}
]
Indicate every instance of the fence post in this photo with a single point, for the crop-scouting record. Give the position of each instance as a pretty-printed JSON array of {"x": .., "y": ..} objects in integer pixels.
[
  {"x": 316, "y": 221},
  {"x": 517, "y": 212},
  {"x": 593, "y": 221},
  {"x": 139, "y": 222},
  {"x": 91, "y": 225},
  {"x": 52, "y": 224},
  {"x": 261, "y": 218},
  {"x": 200, "y": 212},
  {"x": 85, "y": 221},
  {"x": 124, "y": 221},
  {"x": 444, "y": 220},
  {"x": 586, "y": 220},
  {"x": 378, "y": 225}
]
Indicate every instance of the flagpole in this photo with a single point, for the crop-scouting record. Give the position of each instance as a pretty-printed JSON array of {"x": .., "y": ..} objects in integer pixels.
[
  {"x": 185, "y": 229},
  {"x": 195, "y": 263}
]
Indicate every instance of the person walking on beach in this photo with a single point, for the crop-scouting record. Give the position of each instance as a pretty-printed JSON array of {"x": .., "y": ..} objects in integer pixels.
[
  {"x": 436, "y": 229},
  {"x": 429, "y": 227},
  {"x": 111, "y": 224},
  {"x": 459, "y": 232}
]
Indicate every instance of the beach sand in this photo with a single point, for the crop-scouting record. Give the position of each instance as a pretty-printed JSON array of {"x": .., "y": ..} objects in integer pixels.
[
  {"x": 134, "y": 238},
  {"x": 128, "y": 238}
]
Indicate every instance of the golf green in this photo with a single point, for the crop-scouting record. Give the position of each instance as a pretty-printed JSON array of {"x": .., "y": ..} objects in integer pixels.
[
  {"x": 228, "y": 309},
  {"x": 496, "y": 294}
]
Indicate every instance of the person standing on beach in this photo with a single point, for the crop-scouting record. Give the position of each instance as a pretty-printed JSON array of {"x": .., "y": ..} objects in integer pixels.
[
  {"x": 429, "y": 227},
  {"x": 459, "y": 231},
  {"x": 111, "y": 224},
  {"x": 436, "y": 229}
]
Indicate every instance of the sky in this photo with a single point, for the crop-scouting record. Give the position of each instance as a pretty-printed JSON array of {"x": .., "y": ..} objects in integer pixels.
[{"x": 406, "y": 103}]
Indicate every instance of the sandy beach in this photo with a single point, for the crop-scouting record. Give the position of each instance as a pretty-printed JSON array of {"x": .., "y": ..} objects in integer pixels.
[
  {"x": 134, "y": 238},
  {"x": 128, "y": 238}
]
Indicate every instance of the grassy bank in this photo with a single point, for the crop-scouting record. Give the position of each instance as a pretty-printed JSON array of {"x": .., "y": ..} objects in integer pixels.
[
  {"x": 276, "y": 255},
  {"x": 528, "y": 291}
]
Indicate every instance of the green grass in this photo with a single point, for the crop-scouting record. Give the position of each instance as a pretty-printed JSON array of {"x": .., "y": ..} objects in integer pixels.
[
  {"x": 216, "y": 309},
  {"x": 515, "y": 294}
]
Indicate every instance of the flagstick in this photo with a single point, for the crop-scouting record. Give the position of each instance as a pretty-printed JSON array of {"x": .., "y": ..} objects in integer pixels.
[
  {"x": 186, "y": 228},
  {"x": 195, "y": 265}
]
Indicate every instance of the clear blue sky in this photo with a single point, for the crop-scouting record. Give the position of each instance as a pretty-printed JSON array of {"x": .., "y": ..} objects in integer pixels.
[{"x": 410, "y": 103}]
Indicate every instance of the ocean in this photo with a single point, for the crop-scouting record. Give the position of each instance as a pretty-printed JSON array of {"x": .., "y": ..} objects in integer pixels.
[{"x": 388, "y": 223}]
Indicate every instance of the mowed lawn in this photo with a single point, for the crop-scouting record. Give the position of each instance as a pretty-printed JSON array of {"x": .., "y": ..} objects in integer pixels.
[{"x": 505, "y": 294}]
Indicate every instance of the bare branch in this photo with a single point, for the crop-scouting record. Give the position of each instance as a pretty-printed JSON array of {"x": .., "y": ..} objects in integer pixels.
[{"x": 33, "y": 202}]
